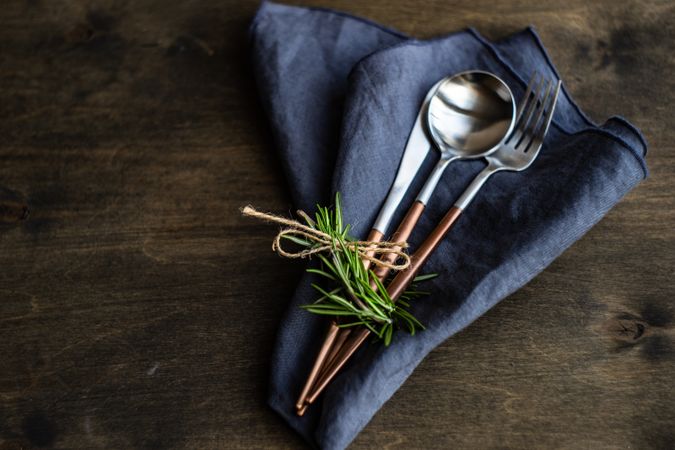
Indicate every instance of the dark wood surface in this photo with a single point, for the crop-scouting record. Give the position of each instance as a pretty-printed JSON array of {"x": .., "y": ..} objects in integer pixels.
[{"x": 138, "y": 309}]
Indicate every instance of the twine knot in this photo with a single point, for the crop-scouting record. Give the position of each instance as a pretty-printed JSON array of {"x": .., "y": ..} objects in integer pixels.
[{"x": 367, "y": 250}]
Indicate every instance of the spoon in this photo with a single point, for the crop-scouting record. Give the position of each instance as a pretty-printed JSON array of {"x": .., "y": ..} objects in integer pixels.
[{"x": 468, "y": 115}]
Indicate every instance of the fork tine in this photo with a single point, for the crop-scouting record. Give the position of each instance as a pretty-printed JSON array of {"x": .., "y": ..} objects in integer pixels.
[
  {"x": 526, "y": 96},
  {"x": 537, "y": 134},
  {"x": 539, "y": 139},
  {"x": 531, "y": 132},
  {"x": 521, "y": 126}
]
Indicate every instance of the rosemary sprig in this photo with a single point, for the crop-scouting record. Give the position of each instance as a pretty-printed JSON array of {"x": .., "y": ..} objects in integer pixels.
[{"x": 351, "y": 296}]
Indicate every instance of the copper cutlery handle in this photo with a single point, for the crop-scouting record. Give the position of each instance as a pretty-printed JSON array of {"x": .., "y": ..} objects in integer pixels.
[
  {"x": 343, "y": 348},
  {"x": 401, "y": 235},
  {"x": 328, "y": 351},
  {"x": 373, "y": 236},
  {"x": 395, "y": 289},
  {"x": 321, "y": 357},
  {"x": 417, "y": 259},
  {"x": 356, "y": 339}
]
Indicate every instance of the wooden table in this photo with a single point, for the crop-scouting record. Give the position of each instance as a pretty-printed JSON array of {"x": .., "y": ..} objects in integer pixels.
[{"x": 139, "y": 310}]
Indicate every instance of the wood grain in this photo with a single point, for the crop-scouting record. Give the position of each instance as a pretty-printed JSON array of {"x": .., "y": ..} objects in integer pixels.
[{"x": 138, "y": 310}]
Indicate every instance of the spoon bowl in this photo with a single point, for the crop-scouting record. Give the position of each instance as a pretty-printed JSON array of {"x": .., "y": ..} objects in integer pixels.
[{"x": 470, "y": 114}]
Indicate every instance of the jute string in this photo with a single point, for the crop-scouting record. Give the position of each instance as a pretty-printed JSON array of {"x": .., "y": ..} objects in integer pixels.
[{"x": 367, "y": 250}]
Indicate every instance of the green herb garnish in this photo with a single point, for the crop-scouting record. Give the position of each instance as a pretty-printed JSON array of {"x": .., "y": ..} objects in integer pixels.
[{"x": 355, "y": 295}]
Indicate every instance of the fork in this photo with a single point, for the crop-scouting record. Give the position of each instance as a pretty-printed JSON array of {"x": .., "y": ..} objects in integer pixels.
[{"x": 516, "y": 154}]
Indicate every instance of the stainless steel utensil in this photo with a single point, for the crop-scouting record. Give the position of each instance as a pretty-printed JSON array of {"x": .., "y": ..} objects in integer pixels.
[
  {"x": 516, "y": 154},
  {"x": 468, "y": 115}
]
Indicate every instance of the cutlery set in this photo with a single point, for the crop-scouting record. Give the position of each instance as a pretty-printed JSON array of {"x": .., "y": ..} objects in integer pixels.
[{"x": 470, "y": 115}]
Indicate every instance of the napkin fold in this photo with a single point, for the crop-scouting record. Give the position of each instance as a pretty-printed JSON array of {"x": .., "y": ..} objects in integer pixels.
[{"x": 341, "y": 94}]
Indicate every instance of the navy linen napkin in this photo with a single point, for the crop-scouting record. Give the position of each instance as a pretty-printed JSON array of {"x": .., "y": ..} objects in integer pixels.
[{"x": 341, "y": 94}]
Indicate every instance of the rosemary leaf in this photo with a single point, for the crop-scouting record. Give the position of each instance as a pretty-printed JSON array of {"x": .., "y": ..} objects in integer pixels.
[{"x": 351, "y": 293}]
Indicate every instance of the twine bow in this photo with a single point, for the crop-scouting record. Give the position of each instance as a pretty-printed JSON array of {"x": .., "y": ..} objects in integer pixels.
[{"x": 367, "y": 250}]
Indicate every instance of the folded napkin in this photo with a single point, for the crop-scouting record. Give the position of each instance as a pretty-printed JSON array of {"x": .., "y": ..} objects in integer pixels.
[{"x": 341, "y": 94}]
